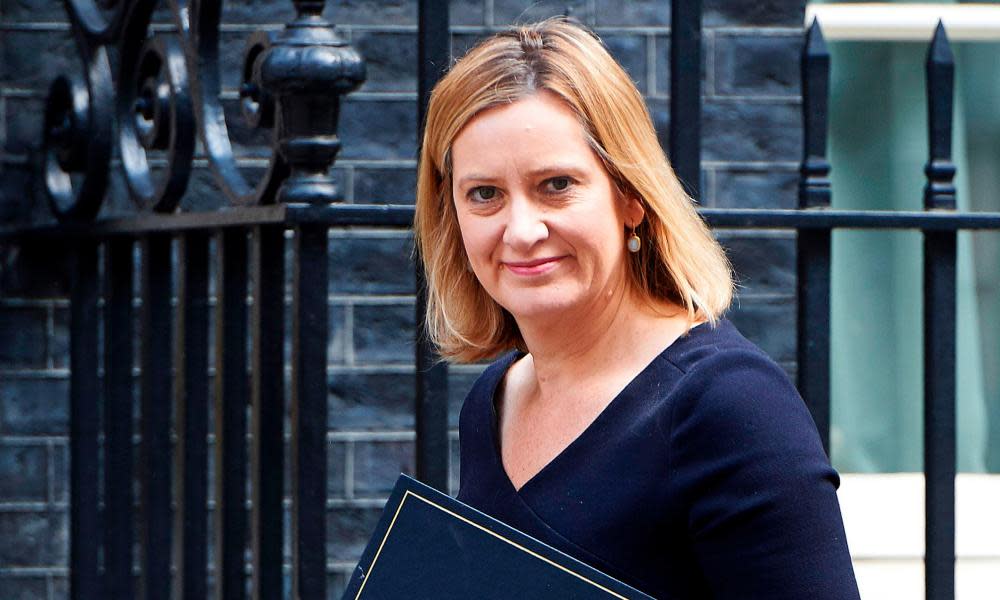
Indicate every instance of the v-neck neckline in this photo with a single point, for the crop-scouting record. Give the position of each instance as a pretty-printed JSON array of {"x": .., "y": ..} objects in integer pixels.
[{"x": 606, "y": 413}]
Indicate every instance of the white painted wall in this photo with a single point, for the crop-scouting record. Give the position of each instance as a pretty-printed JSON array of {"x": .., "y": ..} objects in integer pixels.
[
  {"x": 884, "y": 518},
  {"x": 905, "y": 21}
]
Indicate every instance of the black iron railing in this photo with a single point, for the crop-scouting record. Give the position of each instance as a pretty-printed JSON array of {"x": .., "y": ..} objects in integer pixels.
[{"x": 167, "y": 94}]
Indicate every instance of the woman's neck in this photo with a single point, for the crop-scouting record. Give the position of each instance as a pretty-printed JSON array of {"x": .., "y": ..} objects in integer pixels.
[{"x": 593, "y": 350}]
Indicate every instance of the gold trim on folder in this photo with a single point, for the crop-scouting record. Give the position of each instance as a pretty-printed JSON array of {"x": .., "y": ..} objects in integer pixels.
[{"x": 478, "y": 526}]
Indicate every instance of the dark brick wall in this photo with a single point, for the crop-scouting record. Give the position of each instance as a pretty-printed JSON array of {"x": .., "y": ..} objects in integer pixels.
[{"x": 752, "y": 139}]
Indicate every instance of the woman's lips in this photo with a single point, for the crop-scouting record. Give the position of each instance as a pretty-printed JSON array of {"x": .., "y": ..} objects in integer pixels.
[{"x": 532, "y": 267}]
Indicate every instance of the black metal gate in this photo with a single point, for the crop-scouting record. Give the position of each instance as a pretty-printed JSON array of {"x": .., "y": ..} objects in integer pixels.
[{"x": 166, "y": 97}]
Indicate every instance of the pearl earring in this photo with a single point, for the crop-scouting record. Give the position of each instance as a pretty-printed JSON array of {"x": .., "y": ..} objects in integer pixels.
[{"x": 634, "y": 243}]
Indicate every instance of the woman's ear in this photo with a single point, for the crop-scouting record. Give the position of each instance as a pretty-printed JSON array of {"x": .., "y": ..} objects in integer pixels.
[{"x": 635, "y": 212}]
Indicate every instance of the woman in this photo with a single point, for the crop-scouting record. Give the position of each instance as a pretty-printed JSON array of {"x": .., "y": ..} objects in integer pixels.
[{"x": 629, "y": 425}]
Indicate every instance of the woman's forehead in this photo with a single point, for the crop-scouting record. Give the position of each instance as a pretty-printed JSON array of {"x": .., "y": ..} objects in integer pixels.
[{"x": 536, "y": 130}]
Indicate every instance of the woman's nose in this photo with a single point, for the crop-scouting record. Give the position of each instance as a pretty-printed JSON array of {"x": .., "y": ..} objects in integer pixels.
[{"x": 525, "y": 226}]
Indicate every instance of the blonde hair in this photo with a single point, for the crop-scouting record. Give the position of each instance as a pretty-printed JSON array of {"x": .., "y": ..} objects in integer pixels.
[{"x": 680, "y": 261}]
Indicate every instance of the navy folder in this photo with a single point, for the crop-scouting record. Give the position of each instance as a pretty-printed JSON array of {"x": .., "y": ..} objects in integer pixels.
[{"x": 429, "y": 545}]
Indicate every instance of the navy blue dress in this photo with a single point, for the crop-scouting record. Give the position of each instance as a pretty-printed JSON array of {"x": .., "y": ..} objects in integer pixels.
[{"x": 704, "y": 478}]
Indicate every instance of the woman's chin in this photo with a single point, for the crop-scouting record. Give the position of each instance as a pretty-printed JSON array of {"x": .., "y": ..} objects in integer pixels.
[{"x": 539, "y": 309}]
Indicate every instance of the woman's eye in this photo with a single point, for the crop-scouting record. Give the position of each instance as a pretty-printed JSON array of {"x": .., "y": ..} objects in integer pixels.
[
  {"x": 559, "y": 183},
  {"x": 483, "y": 193}
]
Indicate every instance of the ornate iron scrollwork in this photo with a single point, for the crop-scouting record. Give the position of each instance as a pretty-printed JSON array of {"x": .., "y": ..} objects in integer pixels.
[
  {"x": 154, "y": 113},
  {"x": 203, "y": 61},
  {"x": 257, "y": 105},
  {"x": 77, "y": 138},
  {"x": 100, "y": 21},
  {"x": 168, "y": 92}
]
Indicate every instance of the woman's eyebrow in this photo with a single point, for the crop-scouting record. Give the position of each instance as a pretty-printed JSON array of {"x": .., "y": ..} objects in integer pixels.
[
  {"x": 555, "y": 169},
  {"x": 560, "y": 169},
  {"x": 477, "y": 177}
]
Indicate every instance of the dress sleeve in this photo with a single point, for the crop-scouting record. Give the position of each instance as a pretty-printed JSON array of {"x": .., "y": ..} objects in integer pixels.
[{"x": 755, "y": 487}]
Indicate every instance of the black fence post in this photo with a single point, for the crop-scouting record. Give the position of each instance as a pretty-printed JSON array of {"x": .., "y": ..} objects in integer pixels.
[
  {"x": 191, "y": 401},
  {"x": 813, "y": 245},
  {"x": 268, "y": 416},
  {"x": 685, "y": 93},
  {"x": 118, "y": 412},
  {"x": 307, "y": 69},
  {"x": 231, "y": 401},
  {"x": 155, "y": 532},
  {"x": 939, "y": 329},
  {"x": 310, "y": 330},
  {"x": 84, "y": 393},
  {"x": 434, "y": 51}
]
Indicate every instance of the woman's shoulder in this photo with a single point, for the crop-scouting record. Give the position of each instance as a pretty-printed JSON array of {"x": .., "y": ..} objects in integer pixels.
[
  {"x": 726, "y": 383},
  {"x": 732, "y": 392},
  {"x": 750, "y": 475},
  {"x": 711, "y": 346}
]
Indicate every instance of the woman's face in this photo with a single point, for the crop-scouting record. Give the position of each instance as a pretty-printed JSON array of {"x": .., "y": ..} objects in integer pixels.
[{"x": 542, "y": 224}]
